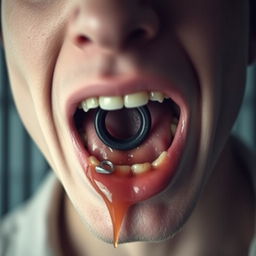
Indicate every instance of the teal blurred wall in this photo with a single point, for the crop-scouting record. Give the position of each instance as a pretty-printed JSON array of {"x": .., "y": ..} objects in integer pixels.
[{"x": 245, "y": 125}]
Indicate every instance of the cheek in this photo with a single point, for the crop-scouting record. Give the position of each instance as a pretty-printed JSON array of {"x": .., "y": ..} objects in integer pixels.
[
  {"x": 31, "y": 43},
  {"x": 229, "y": 101},
  {"x": 233, "y": 75},
  {"x": 31, "y": 37},
  {"x": 26, "y": 105}
]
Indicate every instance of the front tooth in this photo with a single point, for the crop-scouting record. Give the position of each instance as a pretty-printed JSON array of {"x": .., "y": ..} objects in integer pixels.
[
  {"x": 135, "y": 100},
  {"x": 156, "y": 96},
  {"x": 84, "y": 106},
  {"x": 160, "y": 159},
  {"x": 90, "y": 104},
  {"x": 111, "y": 102},
  {"x": 140, "y": 168}
]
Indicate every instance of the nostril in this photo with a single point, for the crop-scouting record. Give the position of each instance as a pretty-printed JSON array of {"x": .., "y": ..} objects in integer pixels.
[
  {"x": 113, "y": 32},
  {"x": 82, "y": 40},
  {"x": 138, "y": 34}
]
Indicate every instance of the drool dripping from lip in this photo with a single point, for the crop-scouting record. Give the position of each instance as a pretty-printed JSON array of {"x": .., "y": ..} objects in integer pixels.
[
  {"x": 123, "y": 184},
  {"x": 117, "y": 208},
  {"x": 122, "y": 192}
]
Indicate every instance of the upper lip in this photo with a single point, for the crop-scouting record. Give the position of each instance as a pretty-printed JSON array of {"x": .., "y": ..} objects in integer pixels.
[{"x": 121, "y": 86}]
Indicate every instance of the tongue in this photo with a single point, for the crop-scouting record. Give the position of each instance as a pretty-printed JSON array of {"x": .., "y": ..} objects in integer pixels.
[{"x": 123, "y": 124}]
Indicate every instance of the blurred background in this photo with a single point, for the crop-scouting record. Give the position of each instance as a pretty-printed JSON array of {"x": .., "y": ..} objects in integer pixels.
[{"x": 22, "y": 166}]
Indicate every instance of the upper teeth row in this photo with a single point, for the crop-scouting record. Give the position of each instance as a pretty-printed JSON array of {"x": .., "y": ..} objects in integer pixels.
[{"x": 133, "y": 100}]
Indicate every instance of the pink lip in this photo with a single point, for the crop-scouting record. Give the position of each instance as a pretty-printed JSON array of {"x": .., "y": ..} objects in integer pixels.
[{"x": 142, "y": 187}]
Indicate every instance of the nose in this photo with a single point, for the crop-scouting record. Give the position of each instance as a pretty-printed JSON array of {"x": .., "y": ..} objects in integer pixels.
[{"x": 113, "y": 25}]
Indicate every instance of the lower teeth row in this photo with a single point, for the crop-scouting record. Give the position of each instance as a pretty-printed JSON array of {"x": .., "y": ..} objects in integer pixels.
[{"x": 135, "y": 169}]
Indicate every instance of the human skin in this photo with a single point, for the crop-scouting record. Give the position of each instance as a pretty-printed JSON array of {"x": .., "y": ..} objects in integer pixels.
[{"x": 202, "y": 47}]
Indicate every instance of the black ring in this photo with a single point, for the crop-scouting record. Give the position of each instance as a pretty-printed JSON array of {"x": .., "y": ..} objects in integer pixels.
[{"x": 123, "y": 144}]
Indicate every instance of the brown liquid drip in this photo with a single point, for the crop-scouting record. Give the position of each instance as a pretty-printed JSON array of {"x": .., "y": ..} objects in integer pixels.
[
  {"x": 117, "y": 212},
  {"x": 117, "y": 209}
]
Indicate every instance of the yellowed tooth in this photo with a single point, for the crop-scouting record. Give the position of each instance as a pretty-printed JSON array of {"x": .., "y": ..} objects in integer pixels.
[
  {"x": 160, "y": 159},
  {"x": 84, "y": 106},
  {"x": 173, "y": 129},
  {"x": 89, "y": 103},
  {"x": 175, "y": 121},
  {"x": 93, "y": 160},
  {"x": 137, "y": 99},
  {"x": 140, "y": 168},
  {"x": 123, "y": 169},
  {"x": 156, "y": 96},
  {"x": 111, "y": 102},
  {"x": 92, "y": 102}
]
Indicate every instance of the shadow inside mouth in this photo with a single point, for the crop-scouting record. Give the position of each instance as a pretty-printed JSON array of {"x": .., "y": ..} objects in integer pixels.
[{"x": 123, "y": 124}]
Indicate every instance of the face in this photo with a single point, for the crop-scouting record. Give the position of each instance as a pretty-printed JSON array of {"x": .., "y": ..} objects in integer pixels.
[{"x": 60, "y": 53}]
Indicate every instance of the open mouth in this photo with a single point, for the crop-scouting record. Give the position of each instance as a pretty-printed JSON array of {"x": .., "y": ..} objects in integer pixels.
[
  {"x": 138, "y": 173},
  {"x": 122, "y": 122}
]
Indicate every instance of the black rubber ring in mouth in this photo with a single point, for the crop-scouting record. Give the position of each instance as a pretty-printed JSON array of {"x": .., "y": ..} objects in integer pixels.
[{"x": 128, "y": 143}]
